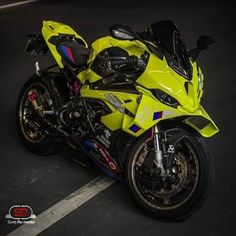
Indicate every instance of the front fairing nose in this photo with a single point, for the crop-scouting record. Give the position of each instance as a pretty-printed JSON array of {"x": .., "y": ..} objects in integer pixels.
[
  {"x": 189, "y": 96},
  {"x": 189, "y": 108},
  {"x": 158, "y": 75}
]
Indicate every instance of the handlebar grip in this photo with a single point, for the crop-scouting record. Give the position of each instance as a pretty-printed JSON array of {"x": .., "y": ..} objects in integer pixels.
[
  {"x": 115, "y": 61},
  {"x": 132, "y": 61}
]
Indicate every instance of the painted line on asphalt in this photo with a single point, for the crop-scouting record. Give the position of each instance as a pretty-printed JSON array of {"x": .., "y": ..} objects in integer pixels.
[
  {"x": 64, "y": 207},
  {"x": 17, "y": 4}
]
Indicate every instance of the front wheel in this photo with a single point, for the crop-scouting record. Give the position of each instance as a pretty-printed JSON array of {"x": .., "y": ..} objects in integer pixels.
[{"x": 182, "y": 191}]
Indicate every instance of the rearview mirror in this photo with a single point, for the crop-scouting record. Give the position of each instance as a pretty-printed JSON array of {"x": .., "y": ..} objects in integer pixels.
[
  {"x": 204, "y": 41},
  {"x": 122, "y": 32}
]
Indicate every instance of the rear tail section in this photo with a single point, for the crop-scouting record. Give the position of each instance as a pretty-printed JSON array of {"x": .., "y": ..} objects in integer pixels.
[{"x": 53, "y": 32}]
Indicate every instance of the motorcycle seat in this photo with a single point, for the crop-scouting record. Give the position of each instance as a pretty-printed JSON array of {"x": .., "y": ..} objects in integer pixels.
[{"x": 73, "y": 52}]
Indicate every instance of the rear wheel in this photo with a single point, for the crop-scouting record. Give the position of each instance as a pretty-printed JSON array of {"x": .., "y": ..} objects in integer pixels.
[
  {"x": 29, "y": 124},
  {"x": 182, "y": 191}
]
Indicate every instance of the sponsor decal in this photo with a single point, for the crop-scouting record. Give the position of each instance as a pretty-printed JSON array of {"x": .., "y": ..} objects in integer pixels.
[
  {"x": 67, "y": 52},
  {"x": 160, "y": 114},
  {"x": 171, "y": 148},
  {"x": 107, "y": 160},
  {"x": 115, "y": 102},
  {"x": 134, "y": 128},
  {"x": 157, "y": 115},
  {"x": 167, "y": 113}
]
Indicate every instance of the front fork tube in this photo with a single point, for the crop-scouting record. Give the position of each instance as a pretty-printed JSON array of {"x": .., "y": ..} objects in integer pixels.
[{"x": 158, "y": 151}]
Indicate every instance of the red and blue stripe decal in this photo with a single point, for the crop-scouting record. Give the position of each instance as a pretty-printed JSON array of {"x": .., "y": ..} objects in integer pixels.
[
  {"x": 134, "y": 128},
  {"x": 67, "y": 53},
  {"x": 157, "y": 115}
]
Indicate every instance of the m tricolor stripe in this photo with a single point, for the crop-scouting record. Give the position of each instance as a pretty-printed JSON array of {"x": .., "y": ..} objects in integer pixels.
[
  {"x": 157, "y": 115},
  {"x": 134, "y": 128},
  {"x": 67, "y": 53}
]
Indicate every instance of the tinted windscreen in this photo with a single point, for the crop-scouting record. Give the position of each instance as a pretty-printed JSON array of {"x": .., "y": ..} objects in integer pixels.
[{"x": 166, "y": 34}]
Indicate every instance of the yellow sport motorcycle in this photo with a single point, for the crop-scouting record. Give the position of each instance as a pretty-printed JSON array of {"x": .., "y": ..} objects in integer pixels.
[{"x": 130, "y": 104}]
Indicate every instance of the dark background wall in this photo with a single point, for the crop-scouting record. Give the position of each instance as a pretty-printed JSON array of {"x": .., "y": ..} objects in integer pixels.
[{"x": 26, "y": 178}]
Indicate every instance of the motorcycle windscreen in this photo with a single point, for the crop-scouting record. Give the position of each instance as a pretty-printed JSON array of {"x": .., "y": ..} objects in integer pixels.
[{"x": 166, "y": 34}]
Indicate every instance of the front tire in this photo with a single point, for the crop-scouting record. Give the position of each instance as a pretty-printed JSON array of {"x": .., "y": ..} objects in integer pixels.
[{"x": 170, "y": 202}]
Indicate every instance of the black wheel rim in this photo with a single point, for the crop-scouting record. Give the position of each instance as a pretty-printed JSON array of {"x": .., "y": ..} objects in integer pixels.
[
  {"x": 156, "y": 193},
  {"x": 28, "y": 118}
]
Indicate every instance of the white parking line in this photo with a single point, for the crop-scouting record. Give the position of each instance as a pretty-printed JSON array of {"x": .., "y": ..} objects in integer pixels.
[
  {"x": 16, "y": 4},
  {"x": 64, "y": 207}
]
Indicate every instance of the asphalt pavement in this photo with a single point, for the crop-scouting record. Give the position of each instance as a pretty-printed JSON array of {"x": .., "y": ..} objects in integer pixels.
[{"x": 40, "y": 182}]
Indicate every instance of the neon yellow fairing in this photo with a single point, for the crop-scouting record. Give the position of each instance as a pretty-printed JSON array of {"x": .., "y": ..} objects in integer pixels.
[
  {"x": 148, "y": 107},
  {"x": 133, "y": 48},
  {"x": 114, "y": 120},
  {"x": 143, "y": 110},
  {"x": 53, "y": 28},
  {"x": 159, "y": 76}
]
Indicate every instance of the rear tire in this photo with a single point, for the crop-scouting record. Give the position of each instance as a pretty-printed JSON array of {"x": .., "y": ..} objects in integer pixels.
[
  {"x": 153, "y": 205},
  {"x": 38, "y": 141}
]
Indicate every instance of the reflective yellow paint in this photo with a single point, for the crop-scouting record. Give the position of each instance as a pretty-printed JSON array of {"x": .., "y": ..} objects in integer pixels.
[
  {"x": 114, "y": 120},
  {"x": 132, "y": 47},
  {"x": 143, "y": 107},
  {"x": 157, "y": 75},
  {"x": 139, "y": 108}
]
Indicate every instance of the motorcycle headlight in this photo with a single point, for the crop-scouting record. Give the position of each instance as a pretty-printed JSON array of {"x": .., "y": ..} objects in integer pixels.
[{"x": 165, "y": 98}]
